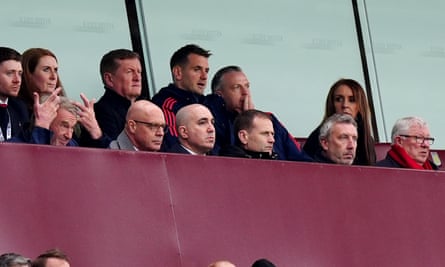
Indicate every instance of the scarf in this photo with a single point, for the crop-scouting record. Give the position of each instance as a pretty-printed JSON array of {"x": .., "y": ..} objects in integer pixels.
[{"x": 399, "y": 155}]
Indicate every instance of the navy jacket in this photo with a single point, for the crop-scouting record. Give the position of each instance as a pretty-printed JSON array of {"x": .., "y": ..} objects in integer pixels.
[
  {"x": 285, "y": 145},
  {"x": 170, "y": 99},
  {"x": 391, "y": 163},
  {"x": 38, "y": 135},
  {"x": 111, "y": 111},
  {"x": 18, "y": 116}
]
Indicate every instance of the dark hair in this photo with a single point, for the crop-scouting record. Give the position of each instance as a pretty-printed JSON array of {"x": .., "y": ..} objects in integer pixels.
[
  {"x": 244, "y": 121},
  {"x": 109, "y": 62},
  {"x": 40, "y": 261},
  {"x": 263, "y": 263},
  {"x": 7, "y": 53},
  {"x": 180, "y": 57},
  {"x": 365, "y": 140},
  {"x": 216, "y": 80},
  {"x": 30, "y": 60}
]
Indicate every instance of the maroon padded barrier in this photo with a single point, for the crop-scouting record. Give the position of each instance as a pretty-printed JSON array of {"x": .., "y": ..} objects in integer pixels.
[{"x": 112, "y": 208}]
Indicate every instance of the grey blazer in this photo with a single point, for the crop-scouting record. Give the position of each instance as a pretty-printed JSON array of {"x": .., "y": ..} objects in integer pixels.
[{"x": 122, "y": 142}]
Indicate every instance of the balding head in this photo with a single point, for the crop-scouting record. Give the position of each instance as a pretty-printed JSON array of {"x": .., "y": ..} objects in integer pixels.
[
  {"x": 195, "y": 128},
  {"x": 145, "y": 125},
  {"x": 222, "y": 264}
]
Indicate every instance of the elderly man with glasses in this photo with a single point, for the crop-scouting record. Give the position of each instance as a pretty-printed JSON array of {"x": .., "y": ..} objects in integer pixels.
[
  {"x": 411, "y": 141},
  {"x": 144, "y": 129}
]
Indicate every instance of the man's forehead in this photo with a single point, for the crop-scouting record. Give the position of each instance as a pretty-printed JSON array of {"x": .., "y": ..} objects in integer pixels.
[{"x": 11, "y": 64}]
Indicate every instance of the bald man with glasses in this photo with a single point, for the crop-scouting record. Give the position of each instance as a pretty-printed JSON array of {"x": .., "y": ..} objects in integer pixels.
[
  {"x": 144, "y": 128},
  {"x": 410, "y": 148}
]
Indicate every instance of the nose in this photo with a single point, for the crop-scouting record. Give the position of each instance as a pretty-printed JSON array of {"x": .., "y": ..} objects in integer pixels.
[
  {"x": 352, "y": 143},
  {"x": 137, "y": 76},
  {"x": 53, "y": 75},
  {"x": 204, "y": 75},
  {"x": 271, "y": 139},
  {"x": 17, "y": 78},
  {"x": 211, "y": 128}
]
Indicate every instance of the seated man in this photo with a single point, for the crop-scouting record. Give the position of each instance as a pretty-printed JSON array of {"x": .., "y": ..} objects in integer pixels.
[
  {"x": 230, "y": 96},
  {"x": 411, "y": 141},
  {"x": 144, "y": 129},
  {"x": 13, "y": 113},
  {"x": 56, "y": 119},
  {"x": 189, "y": 67},
  {"x": 52, "y": 258},
  {"x": 254, "y": 136},
  {"x": 14, "y": 260},
  {"x": 338, "y": 139},
  {"x": 196, "y": 133}
]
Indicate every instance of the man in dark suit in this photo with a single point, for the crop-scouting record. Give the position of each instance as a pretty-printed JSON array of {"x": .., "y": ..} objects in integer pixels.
[
  {"x": 196, "y": 130},
  {"x": 13, "y": 112},
  {"x": 121, "y": 75}
]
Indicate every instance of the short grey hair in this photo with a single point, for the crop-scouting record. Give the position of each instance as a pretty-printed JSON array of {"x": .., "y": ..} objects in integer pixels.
[
  {"x": 13, "y": 259},
  {"x": 64, "y": 103},
  {"x": 326, "y": 127},
  {"x": 403, "y": 125}
]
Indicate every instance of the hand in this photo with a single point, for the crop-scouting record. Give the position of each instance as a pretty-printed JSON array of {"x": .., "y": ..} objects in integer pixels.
[
  {"x": 46, "y": 112},
  {"x": 87, "y": 117},
  {"x": 248, "y": 103}
]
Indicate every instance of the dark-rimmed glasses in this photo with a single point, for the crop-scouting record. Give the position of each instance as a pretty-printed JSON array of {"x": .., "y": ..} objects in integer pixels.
[
  {"x": 154, "y": 126},
  {"x": 420, "y": 139}
]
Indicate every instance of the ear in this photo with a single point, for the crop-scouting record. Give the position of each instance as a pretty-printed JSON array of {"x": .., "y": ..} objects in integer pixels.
[
  {"x": 243, "y": 136},
  {"x": 131, "y": 126},
  {"x": 218, "y": 92},
  {"x": 398, "y": 140},
  {"x": 182, "y": 132},
  {"x": 177, "y": 73},
  {"x": 108, "y": 78},
  {"x": 324, "y": 144}
]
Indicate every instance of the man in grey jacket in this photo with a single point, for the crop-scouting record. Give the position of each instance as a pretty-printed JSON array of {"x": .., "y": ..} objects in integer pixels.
[{"x": 144, "y": 128}]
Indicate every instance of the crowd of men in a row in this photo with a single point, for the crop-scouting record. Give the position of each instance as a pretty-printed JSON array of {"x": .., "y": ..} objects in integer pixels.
[
  {"x": 57, "y": 258},
  {"x": 179, "y": 118}
]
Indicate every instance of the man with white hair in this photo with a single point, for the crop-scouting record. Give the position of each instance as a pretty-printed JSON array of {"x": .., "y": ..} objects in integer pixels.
[{"x": 410, "y": 148}]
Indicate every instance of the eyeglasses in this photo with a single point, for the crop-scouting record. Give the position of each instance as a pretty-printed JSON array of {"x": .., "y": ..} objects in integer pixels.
[
  {"x": 154, "y": 126},
  {"x": 420, "y": 139}
]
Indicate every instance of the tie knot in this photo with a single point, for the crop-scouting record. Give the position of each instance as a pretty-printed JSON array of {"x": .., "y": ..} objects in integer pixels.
[{"x": 3, "y": 105}]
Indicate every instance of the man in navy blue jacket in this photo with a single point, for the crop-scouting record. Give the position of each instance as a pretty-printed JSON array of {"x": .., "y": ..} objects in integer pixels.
[
  {"x": 13, "y": 112},
  {"x": 230, "y": 96},
  {"x": 189, "y": 67}
]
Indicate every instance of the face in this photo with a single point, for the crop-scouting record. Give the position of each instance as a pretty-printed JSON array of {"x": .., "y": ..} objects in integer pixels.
[
  {"x": 62, "y": 127},
  {"x": 148, "y": 137},
  {"x": 199, "y": 131},
  {"x": 235, "y": 87},
  {"x": 126, "y": 80},
  {"x": 260, "y": 138},
  {"x": 45, "y": 75},
  {"x": 341, "y": 144},
  {"x": 10, "y": 78},
  {"x": 419, "y": 152},
  {"x": 54, "y": 262},
  {"x": 345, "y": 102},
  {"x": 193, "y": 75}
]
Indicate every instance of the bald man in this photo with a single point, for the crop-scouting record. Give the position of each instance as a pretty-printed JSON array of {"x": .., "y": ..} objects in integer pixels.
[
  {"x": 144, "y": 128},
  {"x": 222, "y": 264},
  {"x": 196, "y": 130}
]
